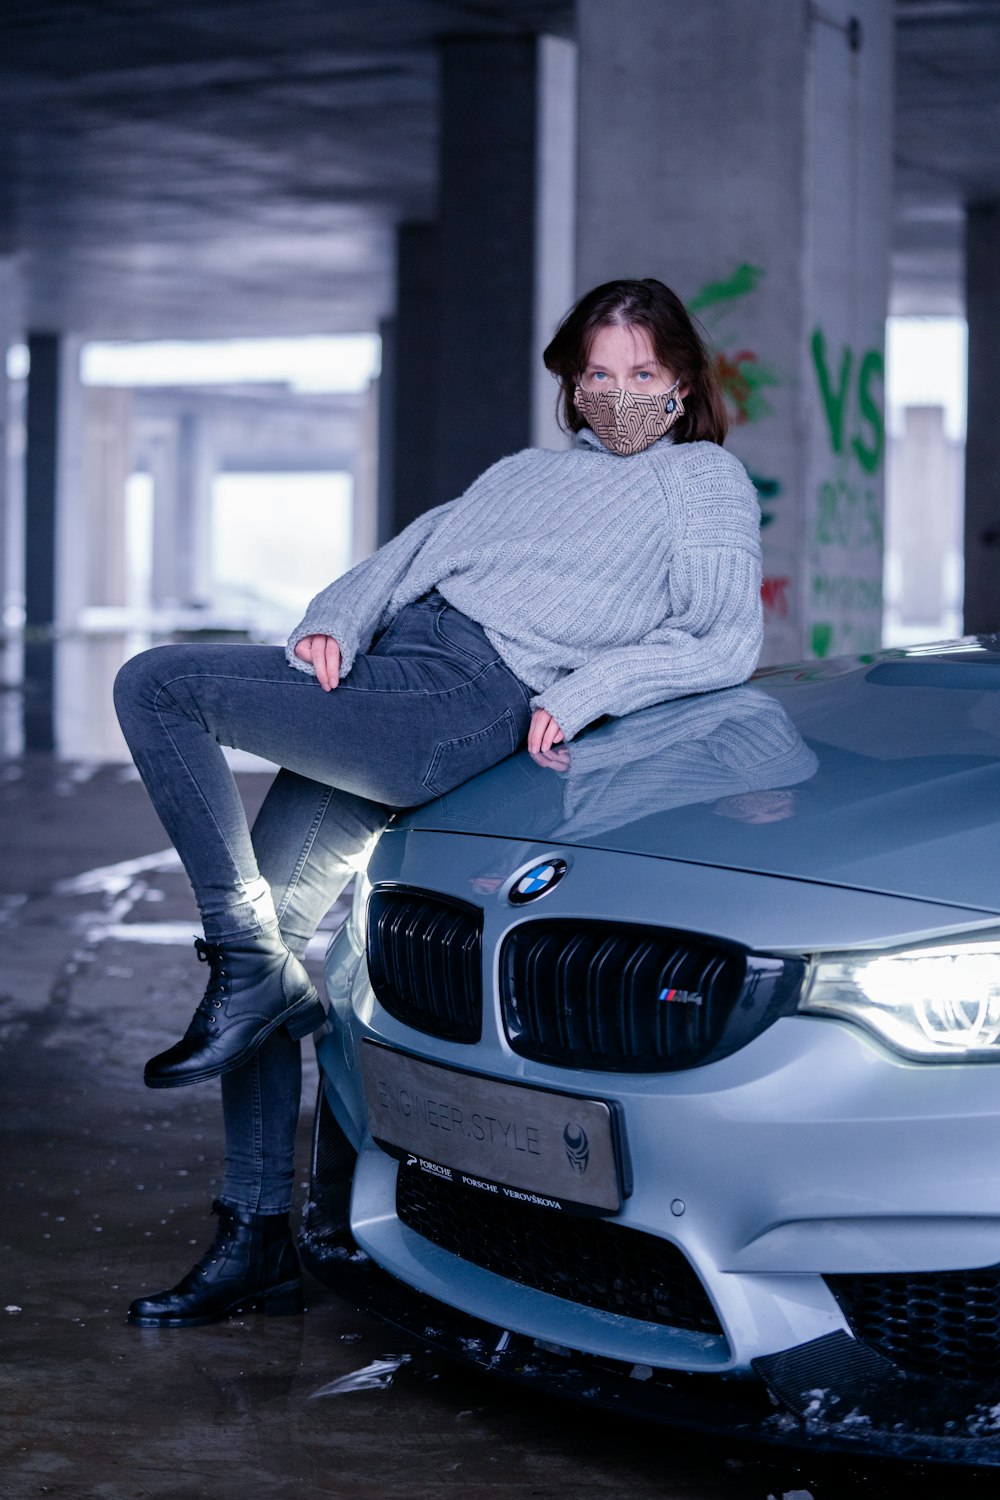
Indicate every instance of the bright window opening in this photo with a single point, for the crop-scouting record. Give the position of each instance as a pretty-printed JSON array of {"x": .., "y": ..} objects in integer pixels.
[
  {"x": 337, "y": 363},
  {"x": 277, "y": 539},
  {"x": 138, "y": 540},
  {"x": 925, "y": 489}
]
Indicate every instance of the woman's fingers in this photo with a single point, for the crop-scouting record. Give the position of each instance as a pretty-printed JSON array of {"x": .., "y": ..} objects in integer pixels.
[
  {"x": 323, "y": 653},
  {"x": 326, "y": 660},
  {"x": 543, "y": 732},
  {"x": 556, "y": 759},
  {"x": 333, "y": 660}
]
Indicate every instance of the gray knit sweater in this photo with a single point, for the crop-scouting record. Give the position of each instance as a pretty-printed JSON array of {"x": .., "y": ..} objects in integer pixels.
[{"x": 605, "y": 583}]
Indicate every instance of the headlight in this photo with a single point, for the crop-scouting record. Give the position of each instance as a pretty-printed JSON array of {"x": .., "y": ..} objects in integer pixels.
[
  {"x": 938, "y": 1004},
  {"x": 359, "y": 909}
]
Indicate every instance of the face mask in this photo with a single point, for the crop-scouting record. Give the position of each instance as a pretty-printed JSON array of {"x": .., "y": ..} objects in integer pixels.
[{"x": 626, "y": 423}]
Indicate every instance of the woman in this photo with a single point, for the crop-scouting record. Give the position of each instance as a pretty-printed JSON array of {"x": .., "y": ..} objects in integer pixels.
[{"x": 561, "y": 588}]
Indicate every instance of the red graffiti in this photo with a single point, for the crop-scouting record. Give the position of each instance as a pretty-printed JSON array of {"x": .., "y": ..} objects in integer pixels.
[
  {"x": 736, "y": 382},
  {"x": 774, "y": 594}
]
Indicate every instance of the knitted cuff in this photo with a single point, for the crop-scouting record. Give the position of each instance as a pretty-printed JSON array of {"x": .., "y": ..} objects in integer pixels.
[
  {"x": 311, "y": 625},
  {"x": 571, "y": 705}
]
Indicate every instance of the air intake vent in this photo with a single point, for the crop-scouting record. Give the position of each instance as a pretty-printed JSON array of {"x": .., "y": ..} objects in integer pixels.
[
  {"x": 425, "y": 962},
  {"x": 635, "y": 999},
  {"x": 944, "y": 1323},
  {"x": 607, "y": 1266}
]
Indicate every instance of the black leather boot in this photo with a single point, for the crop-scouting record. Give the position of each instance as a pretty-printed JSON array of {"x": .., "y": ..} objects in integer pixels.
[
  {"x": 255, "y": 986},
  {"x": 252, "y": 1266}
]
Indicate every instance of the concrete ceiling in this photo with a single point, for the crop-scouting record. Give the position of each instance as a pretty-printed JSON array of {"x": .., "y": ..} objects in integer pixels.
[
  {"x": 947, "y": 143},
  {"x": 205, "y": 167}
]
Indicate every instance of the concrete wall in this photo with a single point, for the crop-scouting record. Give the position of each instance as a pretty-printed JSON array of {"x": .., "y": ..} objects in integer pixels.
[
  {"x": 742, "y": 155},
  {"x": 849, "y": 123}
]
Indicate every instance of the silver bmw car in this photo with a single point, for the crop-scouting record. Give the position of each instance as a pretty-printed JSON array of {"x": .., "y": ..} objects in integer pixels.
[{"x": 663, "y": 1071}]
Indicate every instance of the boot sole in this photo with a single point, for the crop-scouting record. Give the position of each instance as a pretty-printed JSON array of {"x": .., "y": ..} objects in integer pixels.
[
  {"x": 282, "y": 1301},
  {"x": 302, "y": 1019}
]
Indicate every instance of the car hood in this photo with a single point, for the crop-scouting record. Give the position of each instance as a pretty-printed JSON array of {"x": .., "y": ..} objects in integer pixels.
[{"x": 881, "y": 774}]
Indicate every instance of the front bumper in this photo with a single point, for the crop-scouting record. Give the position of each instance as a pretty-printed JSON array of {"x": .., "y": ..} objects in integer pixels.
[
  {"x": 830, "y": 1394},
  {"x": 810, "y": 1154}
]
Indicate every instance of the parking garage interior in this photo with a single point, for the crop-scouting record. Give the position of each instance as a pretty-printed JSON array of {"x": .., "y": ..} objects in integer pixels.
[{"x": 274, "y": 281}]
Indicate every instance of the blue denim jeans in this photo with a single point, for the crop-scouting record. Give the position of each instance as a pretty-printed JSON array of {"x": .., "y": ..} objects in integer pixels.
[{"x": 430, "y": 705}]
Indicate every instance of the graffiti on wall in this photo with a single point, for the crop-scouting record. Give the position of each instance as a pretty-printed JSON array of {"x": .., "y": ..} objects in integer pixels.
[
  {"x": 745, "y": 379},
  {"x": 844, "y": 592},
  {"x": 774, "y": 595},
  {"x": 845, "y": 602}
]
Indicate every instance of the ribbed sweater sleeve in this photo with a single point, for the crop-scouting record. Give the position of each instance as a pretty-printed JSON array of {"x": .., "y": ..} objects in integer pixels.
[
  {"x": 351, "y": 607},
  {"x": 606, "y": 584},
  {"x": 712, "y": 634},
  {"x": 714, "y": 643}
]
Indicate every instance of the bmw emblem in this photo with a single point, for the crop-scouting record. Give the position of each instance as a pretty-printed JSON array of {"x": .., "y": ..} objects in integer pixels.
[{"x": 536, "y": 881}]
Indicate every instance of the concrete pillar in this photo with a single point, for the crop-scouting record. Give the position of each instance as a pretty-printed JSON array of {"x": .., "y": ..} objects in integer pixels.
[
  {"x": 555, "y": 221},
  {"x": 746, "y": 161},
  {"x": 94, "y": 463},
  {"x": 480, "y": 291},
  {"x": 11, "y": 506},
  {"x": 407, "y": 393},
  {"x": 385, "y": 438},
  {"x": 982, "y": 448},
  {"x": 176, "y": 447},
  {"x": 367, "y": 500},
  {"x": 108, "y": 416},
  {"x": 507, "y": 144},
  {"x": 482, "y": 401},
  {"x": 160, "y": 460},
  {"x": 198, "y": 463},
  {"x": 41, "y": 469},
  {"x": 81, "y": 687},
  {"x": 7, "y": 335}
]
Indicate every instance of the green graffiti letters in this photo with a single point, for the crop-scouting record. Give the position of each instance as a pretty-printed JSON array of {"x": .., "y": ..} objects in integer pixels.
[
  {"x": 845, "y": 638},
  {"x": 846, "y": 594},
  {"x": 847, "y": 516},
  {"x": 767, "y": 491},
  {"x": 835, "y": 401},
  {"x": 872, "y": 368},
  {"x": 821, "y": 638},
  {"x": 742, "y": 281}
]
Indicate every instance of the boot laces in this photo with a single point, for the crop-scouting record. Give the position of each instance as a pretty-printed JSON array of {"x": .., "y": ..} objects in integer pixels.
[
  {"x": 215, "y": 991},
  {"x": 222, "y": 1243}
]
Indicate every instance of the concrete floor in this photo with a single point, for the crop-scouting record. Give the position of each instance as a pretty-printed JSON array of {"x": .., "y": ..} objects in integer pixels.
[{"x": 106, "y": 1192}]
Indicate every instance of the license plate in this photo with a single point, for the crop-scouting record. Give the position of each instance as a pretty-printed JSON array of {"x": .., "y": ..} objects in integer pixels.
[{"x": 521, "y": 1142}]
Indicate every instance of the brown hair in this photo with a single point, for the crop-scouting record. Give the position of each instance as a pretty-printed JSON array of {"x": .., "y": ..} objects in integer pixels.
[{"x": 676, "y": 342}]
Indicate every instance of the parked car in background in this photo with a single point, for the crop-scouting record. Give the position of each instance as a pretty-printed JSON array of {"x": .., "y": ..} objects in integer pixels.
[{"x": 663, "y": 1072}]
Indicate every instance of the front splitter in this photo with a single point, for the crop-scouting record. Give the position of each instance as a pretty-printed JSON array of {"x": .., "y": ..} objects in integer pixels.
[{"x": 832, "y": 1395}]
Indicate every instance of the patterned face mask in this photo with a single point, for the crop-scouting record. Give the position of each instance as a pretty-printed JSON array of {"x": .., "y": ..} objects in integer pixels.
[{"x": 626, "y": 423}]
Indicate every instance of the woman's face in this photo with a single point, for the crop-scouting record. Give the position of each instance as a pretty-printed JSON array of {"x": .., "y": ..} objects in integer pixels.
[{"x": 622, "y": 358}]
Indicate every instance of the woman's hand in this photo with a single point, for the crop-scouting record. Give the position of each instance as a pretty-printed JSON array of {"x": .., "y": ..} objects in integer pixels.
[
  {"x": 323, "y": 654},
  {"x": 543, "y": 732},
  {"x": 556, "y": 759}
]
